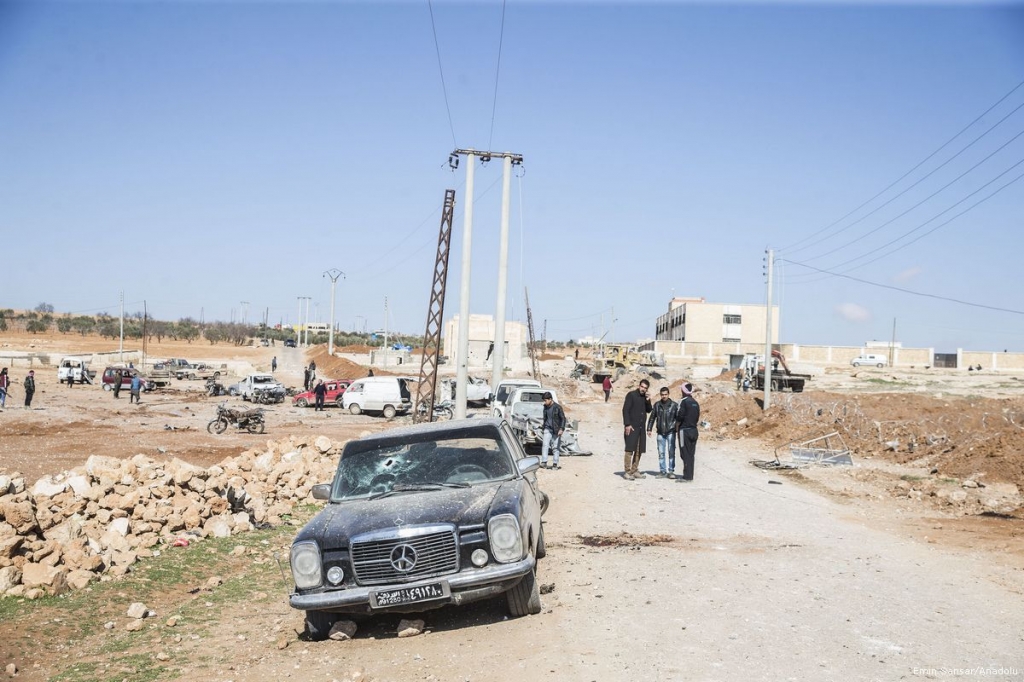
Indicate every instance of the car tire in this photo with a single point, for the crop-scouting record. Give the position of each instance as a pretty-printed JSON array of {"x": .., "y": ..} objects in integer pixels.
[
  {"x": 301, "y": 402},
  {"x": 541, "y": 549},
  {"x": 192, "y": 377},
  {"x": 108, "y": 387},
  {"x": 524, "y": 598},
  {"x": 232, "y": 392},
  {"x": 390, "y": 411},
  {"x": 319, "y": 624},
  {"x": 856, "y": 364},
  {"x": 216, "y": 375},
  {"x": 339, "y": 403},
  {"x": 355, "y": 409},
  {"x": 880, "y": 365}
]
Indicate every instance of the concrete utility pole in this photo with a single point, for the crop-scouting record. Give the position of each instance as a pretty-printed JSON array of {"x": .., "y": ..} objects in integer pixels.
[
  {"x": 120, "y": 345},
  {"x": 334, "y": 274},
  {"x": 498, "y": 357},
  {"x": 299, "y": 320},
  {"x": 768, "y": 337},
  {"x": 306, "y": 338},
  {"x": 385, "y": 331},
  {"x": 245, "y": 312},
  {"x": 462, "y": 369}
]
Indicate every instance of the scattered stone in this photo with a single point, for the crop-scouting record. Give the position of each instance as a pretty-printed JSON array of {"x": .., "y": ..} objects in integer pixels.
[
  {"x": 11, "y": 669},
  {"x": 213, "y": 581},
  {"x": 239, "y": 550},
  {"x": 283, "y": 642},
  {"x": 162, "y": 656},
  {"x": 323, "y": 444},
  {"x": 134, "y": 625},
  {"x": 410, "y": 628},
  {"x": 109, "y": 625},
  {"x": 137, "y": 610},
  {"x": 173, "y": 621},
  {"x": 970, "y": 483},
  {"x": 547, "y": 588},
  {"x": 343, "y": 630}
]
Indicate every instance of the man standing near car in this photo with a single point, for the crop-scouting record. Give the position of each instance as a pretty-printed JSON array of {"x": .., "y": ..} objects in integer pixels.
[
  {"x": 663, "y": 416},
  {"x": 118, "y": 378},
  {"x": 687, "y": 417},
  {"x": 635, "y": 408},
  {"x": 553, "y": 428},
  {"x": 320, "y": 392},
  {"x": 136, "y": 389},
  {"x": 30, "y": 388},
  {"x": 273, "y": 364}
]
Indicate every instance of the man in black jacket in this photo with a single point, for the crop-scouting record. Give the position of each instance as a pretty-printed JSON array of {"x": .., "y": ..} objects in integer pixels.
[
  {"x": 635, "y": 408},
  {"x": 320, "y": 392},
  {"x": 663, "y": 415},
  {"x": 553, "y": 428},
  {"x": 30, "y": 387},
  {"x": 687, "y": 418}
]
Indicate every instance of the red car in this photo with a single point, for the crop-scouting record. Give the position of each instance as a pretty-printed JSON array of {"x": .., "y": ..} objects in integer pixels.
[{"x": 335, "y": 389}]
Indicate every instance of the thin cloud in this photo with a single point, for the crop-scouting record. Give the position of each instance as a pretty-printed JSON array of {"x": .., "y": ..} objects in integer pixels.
[
  {"x": 908, "y": 274},
  {"x": 853, "y": 312}
]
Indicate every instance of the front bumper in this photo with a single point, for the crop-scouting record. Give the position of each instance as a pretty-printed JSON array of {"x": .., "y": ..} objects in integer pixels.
[{"x": 467, "y": 585}]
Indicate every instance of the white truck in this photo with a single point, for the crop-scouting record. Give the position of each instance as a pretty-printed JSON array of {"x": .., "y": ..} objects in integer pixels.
[
  {"x": 502, "y": 396},
  {"x": 75, "y": 370},
  {"x": 260, "y": 383}
]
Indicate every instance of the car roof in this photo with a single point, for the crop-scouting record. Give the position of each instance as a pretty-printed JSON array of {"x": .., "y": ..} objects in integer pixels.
[{"x": 455, "y": 426}]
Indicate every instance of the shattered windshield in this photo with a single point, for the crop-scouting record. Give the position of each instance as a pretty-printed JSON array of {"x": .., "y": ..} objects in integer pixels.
[{"x": 437, "y": 463}]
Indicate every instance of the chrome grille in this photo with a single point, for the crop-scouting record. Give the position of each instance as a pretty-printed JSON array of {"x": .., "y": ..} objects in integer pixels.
[{"x": 436, "y": 553}]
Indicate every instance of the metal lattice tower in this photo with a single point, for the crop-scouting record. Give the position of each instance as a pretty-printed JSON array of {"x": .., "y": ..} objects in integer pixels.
[
  {"x": 427, "y": 390},
  {"x": 533, "y": 341}
]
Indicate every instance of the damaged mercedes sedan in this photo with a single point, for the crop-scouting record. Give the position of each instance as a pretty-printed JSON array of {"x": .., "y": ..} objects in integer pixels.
[{"x": 420, "y": 517}]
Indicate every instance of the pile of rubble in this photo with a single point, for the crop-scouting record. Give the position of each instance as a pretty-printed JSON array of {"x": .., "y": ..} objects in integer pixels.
[{"x": 95, "y": 521}]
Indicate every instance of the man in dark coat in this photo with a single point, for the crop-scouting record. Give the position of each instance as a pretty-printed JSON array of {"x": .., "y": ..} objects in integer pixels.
[
  {"x": 320, "y": 392},
  {"x": 635, "y": 409},
  {"x": 118, "y": 378},
  {"x": 30, "y": 387},
  {"x": 305, "y": 379},
  {"x": 687, "y": 417}
]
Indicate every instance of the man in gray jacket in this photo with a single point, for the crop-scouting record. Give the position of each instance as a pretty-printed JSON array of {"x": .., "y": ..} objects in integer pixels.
[{"x": 663, "y": 416}]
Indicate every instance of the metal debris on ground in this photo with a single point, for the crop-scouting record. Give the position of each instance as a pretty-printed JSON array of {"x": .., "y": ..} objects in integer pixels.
[{"x": 827, "y": 450}]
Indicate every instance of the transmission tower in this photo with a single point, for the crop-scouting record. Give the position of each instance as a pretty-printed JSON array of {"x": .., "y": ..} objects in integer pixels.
[
  {"x": 427, "y": 390},
  {"x": 533, "y": 341}
]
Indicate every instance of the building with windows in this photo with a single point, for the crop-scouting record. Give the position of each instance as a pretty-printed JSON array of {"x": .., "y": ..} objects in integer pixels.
[{"x": 697, "y": 321}]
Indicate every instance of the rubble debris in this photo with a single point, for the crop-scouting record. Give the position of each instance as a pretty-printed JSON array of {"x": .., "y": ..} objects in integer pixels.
[
  {"x": 343, "y": 630},
  {"x": 410, "y": 628}
]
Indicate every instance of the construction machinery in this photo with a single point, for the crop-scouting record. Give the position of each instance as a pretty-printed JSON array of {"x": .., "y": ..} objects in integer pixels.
[
  {"x": 753, "y": 369},
  {"x": 614, "y": 360}
]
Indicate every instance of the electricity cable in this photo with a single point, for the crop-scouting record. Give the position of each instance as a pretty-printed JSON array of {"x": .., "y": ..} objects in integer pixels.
[
  {"x": 497, "y": 72},
  {"x": 444, "y": 88},
  {"x": 899, "y": 179}
]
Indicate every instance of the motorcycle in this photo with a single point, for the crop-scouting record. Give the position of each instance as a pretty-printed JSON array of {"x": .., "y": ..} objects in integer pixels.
[
  {"x": 268, "y": 396},
  {"x": 249, "y": 420},
  {"x": 215, "y": 388},
  {"x": 443, "y": 409}
]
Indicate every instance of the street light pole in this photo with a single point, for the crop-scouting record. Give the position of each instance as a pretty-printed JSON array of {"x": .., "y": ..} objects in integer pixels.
[{"x": 334, "y": 274}]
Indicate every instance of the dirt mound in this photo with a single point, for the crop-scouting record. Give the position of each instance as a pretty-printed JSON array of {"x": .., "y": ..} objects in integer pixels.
[
  {"x": 341, "y": 368},
  {"x": 963, "y": 437},
  {"x": 625, "y": 540}
]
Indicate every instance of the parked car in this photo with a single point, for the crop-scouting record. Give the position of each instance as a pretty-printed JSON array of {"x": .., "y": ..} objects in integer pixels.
[
  {"x": 74, "y": 370},
  {"x": 261, "y": 382},
  {"x": 290, "y": 343},
  {"x": 126, "y": 379},
  {"x": 420, "y": 517},
  {"x": 869, "y": 359},
  {"x": 500, "y": 401},
  {"x": 526, "y": 413},
  {"x": 477, "y": 390},
  {"x": 389, "y": 396},
  {"x": 335, "y": 389}
]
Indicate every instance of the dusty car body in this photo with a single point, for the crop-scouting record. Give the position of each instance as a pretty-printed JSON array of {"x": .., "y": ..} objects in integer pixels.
[
  {"x": 526, "y": 413},
  {"x": 335, "y": 389},
  {"x": 421, "y": 517},
  {"x": 108, "y": 379}
]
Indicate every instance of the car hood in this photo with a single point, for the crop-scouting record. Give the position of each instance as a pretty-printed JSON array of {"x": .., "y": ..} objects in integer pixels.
[{"x": 338, "y": 522}]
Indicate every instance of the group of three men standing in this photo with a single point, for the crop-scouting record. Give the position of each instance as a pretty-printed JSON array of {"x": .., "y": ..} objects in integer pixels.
[{"x": 671, "y": 419}]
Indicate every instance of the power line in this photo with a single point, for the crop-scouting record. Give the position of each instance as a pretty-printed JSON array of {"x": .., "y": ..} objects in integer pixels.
[
  {"x": 908, "y": 291},
  {"x": 497, "y": 71},
  {"x": 444, "y": 88},
  {"x": 899, "y": 179},
  {"x": 919, "y": 181}
]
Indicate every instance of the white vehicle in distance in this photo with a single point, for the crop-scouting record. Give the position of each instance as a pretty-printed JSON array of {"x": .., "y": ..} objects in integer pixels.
[
  {"x": 501, "y": 399},
  {"x": 389, "y": 396},
  {"x": 526, "y": 413},
  {"x": 869, "y": 359}
]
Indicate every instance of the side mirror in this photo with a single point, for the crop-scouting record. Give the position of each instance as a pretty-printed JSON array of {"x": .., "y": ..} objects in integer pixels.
[
  {"x": 321, "y": 491},
  {"x": 528, "y": 464}
]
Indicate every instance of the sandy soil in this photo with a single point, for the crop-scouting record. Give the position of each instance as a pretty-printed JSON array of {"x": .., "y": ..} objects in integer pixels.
[{"x": 742, "y": 574}]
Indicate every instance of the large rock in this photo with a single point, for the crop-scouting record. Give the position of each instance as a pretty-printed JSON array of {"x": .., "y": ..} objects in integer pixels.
[
  {"x": 8, "y": 545},
  {"x": 20, "y": 515},
  {"x": 5, "y": 484},
  {"x": 323, "y": 444},
  {"x": 218, "y": 527},
  {"x": 80, "y": 579},
  {"x": 53, "y": 578},
  {"x": 80, "y": 484},
  {"x": 343, "y": 630},
  {"x": 47, "y": 486},
  {"x": 9, "y": 577},
  {"x": 101, "y": 466},
  {"x": 119, "y": 526}
]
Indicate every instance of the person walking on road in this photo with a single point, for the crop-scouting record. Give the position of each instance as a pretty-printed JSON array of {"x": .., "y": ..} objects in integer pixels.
[
  {"x": 606, "y": 385},
  {"x": 118, "y": 379},
  {"x": 305, "y": 379},
  {"x": 5, "y": 382},
  {"x": 554, "y": 427},
  {"x": 635, "y": 409},
  {"x": 663, "y": 416},
  {"x": 687, "y": 417},
  {"x": 30, "y": 387},
  {"x": 136, "y": 389},
  {"x": 320, "y": 392},
  {"x": 273, "y": 364}
]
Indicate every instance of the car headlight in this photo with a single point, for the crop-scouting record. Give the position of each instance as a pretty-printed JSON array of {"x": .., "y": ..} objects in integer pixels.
[
  {"x": 306, "y": 568},
  {"x": 506, "y": 540}
]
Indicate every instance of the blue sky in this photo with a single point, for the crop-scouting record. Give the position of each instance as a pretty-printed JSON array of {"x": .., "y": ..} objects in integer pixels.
[{"x": 197, "y": 155}]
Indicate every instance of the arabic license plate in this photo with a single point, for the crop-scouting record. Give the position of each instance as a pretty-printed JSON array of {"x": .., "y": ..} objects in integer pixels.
[{"x": 409, "y": 595}]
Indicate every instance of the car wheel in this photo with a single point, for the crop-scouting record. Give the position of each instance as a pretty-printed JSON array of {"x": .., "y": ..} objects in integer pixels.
[
  {"x": 880, "y": 365},
  {"x": 216, "y": 375},
  {"x": 319, "y": 624},
  {"x": 545, "y": 501},
  {"x": 302, "y": 402},
  {"x": 192, "y": 377},
  {"x": 390, "y": 411},
  {"x": 108, "y": 387},
  {"x": 339, "y": 403},
  {"x": 232, "y": 392},
  {"x": 524, "y": 598},
  {"x": 541, "y": 550},
  {"x": 856, "y": 364},
  {"x": 355, "y": 409}
]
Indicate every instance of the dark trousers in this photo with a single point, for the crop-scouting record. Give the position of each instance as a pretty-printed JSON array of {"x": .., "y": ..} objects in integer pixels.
[
  {"x": 606, "y": 394},
  {"x": 28, "y": 398},
  {"x": 319, "y": 403},
  {"x": 687, "y": 449},
  {"x": 117, "y": 390}
]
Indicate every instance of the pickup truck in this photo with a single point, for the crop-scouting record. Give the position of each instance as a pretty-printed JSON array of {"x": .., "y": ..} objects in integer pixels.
[
  {"x": 159, "y": 375},
  {"x": 248, "y": 386},
  {"x": 75, "y": 370},
  {"x": 200, "y": 371},
  {"x": 526, "y": 413}
]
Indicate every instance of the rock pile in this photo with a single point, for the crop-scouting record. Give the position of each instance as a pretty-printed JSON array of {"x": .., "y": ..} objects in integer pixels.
[{"x": 95, "y": 521}]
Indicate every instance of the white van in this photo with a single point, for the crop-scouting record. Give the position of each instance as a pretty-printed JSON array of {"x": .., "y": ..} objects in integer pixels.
[
  {"x": 387, "y": 395},
  {"x": 869, "y": 359},
  {"x": 74, "y": 370},
  {"x": 501, "y": 401}
]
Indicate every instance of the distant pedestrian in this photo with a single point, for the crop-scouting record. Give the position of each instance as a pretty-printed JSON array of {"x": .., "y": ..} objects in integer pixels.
[
  {"x": 606, "y": 385},
  {"x": 553, "y": 428},
  {"x": 305, "y": 379},
  {"x": 577, "y": 353},
  {"x": 371, "y": 372},
  {"x": 490, "y": 349},
  {"x": 273, "y": 364},
  {"x": 30, "y": 387},
  {"x": 5, "y": 382},
  {"x": 688, "y": 417},
  {"x": 635, "y": 409},
  {"x": 320, "y": 392},
  {"x": 71, "y": 377},
  {"x": 746, "y": 384},
  {"x": 136, "y": 390},
  {"x": 118, "y": 380},
  {"x": 663, "y": 417}
]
